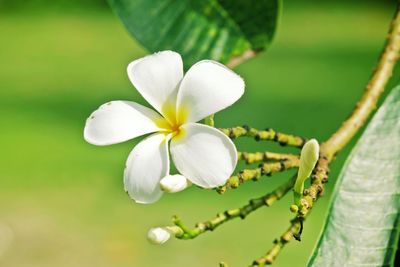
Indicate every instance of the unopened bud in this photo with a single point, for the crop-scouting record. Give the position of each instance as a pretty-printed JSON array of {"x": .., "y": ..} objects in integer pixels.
[
  {"x": 294, "y": 208},
  {"x": 174, "y": 183},
  {"x": 308, "y": 158},
  {"x": 158, "y": 235}
]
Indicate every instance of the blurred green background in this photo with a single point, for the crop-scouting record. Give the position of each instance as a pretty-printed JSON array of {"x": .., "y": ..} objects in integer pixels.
[{"x": 62, "y": 201}]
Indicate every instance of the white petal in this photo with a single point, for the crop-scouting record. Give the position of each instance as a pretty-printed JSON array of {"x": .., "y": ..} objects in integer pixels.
[
  {"x": 174, "y": 183},
  {"x": 207, "y": 88},
  {"x": 146, "y": 165},
  {"x": 118, "y": 121},
  {"x": 204, "y": 155},
  {"x": 157, "y": 78}
]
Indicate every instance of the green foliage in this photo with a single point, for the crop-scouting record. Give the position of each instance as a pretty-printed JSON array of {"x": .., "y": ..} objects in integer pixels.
[
  {"x": 363, "y": 221},
  {"x": 212, "y": 29}
]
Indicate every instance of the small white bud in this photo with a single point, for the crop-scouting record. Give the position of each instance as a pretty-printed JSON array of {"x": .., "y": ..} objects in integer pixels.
[
  {"x": 174, "y": 183},
  {"x": 158, "y": 235},
  {"x": 308, "y": 158}
]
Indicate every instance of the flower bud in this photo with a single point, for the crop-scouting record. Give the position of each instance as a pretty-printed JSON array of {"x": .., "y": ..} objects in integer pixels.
[
  {"x": 308, "y": 158},
  {"x": 294, "y": 208},
  {"x": 174, "y": 183},
  {"x": 158, "y": 235}
]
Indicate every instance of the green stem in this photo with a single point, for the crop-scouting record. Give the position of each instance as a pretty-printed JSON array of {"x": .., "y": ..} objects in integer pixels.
[
  {"x": 264, "y": 169},
  {"x": 279, "y": 243},
  {"x": 267, "y": 134},
  {"x": 252, "y": 157},
  {"x": 223, "y": 217}
]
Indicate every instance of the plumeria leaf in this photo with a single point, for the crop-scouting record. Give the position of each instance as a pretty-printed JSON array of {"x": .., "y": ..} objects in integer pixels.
[
  {"x": 211, "y": 29},
  {"x": 362, "y": 225}
]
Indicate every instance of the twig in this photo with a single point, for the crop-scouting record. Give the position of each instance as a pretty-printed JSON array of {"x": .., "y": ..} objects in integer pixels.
[
  {"x": 316, "y": 190},
  {"x": 267, "y": 134},
  {"x": 254, "y": 204},
  {"x": 255, "y": 174},
  {"x": 252, "y": 157},
  {"x": 235, "y": 61},
  {"x": 373, "y": 90},
  {"x": 279, "y": 243}
]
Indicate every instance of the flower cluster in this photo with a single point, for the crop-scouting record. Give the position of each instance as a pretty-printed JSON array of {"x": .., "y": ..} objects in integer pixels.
[{"x": 202, "y": 154}]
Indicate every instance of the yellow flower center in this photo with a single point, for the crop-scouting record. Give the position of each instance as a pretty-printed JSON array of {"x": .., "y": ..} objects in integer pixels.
[{"x": 173, "y": 120}]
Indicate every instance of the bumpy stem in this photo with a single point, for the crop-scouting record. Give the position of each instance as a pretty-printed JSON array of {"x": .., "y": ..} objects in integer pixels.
[
  {"x": 311, "y": 195},
  {"x": 250, "y": 157},
  {"x": 279, "y": 243},
  {"x": 316, "y": 190},
  {"x": 254, "y": 204},
  {"x": 255, "y": 174},
  {"x": 267, "y": 134}
]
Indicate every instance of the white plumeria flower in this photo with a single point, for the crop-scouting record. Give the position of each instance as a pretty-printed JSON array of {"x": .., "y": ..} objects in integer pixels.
[{"x": 201, "y": 153}]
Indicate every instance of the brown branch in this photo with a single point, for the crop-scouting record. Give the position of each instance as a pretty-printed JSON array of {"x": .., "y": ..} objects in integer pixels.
[
  {"x": 236, "y": 61},
  {"x": 373, "y": 90}
]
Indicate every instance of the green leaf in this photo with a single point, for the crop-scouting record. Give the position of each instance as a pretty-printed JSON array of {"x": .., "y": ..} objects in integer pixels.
[
  {"x": 362, "y": 225},
  {"x": 200, "y": 29}
]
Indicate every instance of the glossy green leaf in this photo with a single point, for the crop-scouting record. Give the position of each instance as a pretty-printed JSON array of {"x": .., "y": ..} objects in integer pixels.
[
  {"x": 200, "y": 29},
  {"x": 362, "y": 225}
]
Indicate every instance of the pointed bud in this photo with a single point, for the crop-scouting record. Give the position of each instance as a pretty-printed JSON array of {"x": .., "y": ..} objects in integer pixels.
[
  {"x": 308, "y": 158},
  {"x": 158, "y": 235},
  {"x": 174, "y": 183}
]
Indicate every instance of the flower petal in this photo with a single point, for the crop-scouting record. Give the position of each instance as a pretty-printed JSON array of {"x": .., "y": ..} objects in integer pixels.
[
  {"x": 157, "y": 78},
  {"x": 207, "y": 88},
  {"x": 119, "y": 121},
  {"x": 147, "y": 164},
  {"x": 204, "y": 155}
]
